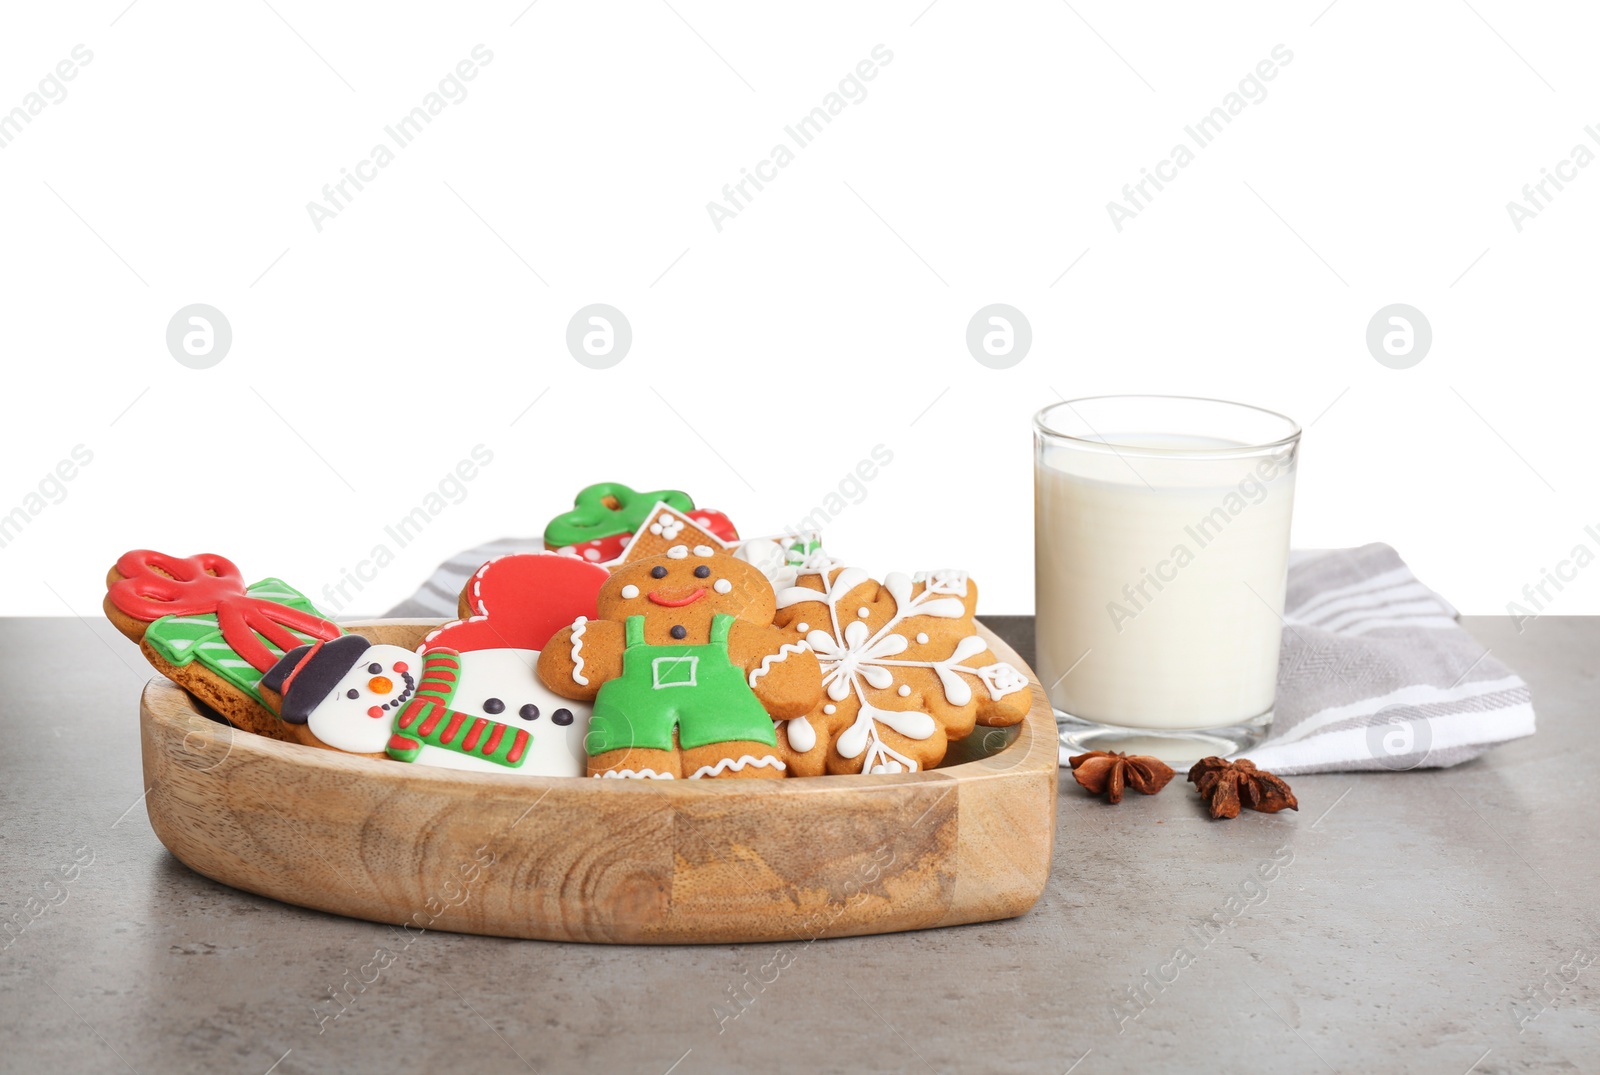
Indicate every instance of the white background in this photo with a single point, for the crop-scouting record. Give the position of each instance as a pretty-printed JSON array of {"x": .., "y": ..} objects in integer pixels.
[{"x": 826, "y": 318}]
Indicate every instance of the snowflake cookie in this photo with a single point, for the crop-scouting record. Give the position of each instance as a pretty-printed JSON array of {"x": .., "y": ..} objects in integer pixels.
[{"x": 903, "y": 671}]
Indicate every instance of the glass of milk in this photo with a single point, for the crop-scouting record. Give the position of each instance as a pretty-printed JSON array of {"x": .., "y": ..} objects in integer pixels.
[{"x": 1161, "y": 548}]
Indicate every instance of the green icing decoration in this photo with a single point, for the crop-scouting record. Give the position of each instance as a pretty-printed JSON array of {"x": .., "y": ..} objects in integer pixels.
[
  {"x": 694, "y": 688},
  {"x": 183, "y": 639},
  {"x": 590, "y": 518}
]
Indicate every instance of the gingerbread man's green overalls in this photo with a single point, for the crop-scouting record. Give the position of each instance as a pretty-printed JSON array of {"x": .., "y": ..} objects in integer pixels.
[{"x": 696, "y": 689}]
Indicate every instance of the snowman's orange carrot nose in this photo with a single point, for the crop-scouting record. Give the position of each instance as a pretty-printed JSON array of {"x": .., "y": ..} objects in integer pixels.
[{"x": 380, "y": 685}]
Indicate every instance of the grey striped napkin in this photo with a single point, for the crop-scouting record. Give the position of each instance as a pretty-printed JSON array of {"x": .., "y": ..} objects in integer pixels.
[
  {"x": 1375, "y": 673},
  {"x": 441, "y": 593}
]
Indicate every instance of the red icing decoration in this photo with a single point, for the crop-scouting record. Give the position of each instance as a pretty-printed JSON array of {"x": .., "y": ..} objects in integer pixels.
[
  {"x": 400, "y": 742},
  {"x": 436, "y": 713},
  {"x": 518, "y": 745},
  {"x": 474, "y": 733},
  {"x": 375, "y": 712},
  {"x": 494, "y": 739},
  {"x": 289, "y": 679},
  {"x": 519, "y": 601},
  {"x": 714, "y": 522},
  {"x": 675, "y": 602},
  {"x": 156, "y": 585},
  {"x": 601, "y": 550},
  {"x": 450, "y": 730},
  {"x": 401, "y": 666}
]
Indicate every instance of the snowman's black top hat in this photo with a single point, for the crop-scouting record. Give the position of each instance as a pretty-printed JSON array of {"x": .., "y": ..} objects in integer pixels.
[{"x": 306, "y": 674}]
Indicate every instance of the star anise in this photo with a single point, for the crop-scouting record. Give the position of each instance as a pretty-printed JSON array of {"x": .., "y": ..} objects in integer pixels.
[
  {"x": 1226, "y": 785},
  {"x": 1103, "y": 772}
]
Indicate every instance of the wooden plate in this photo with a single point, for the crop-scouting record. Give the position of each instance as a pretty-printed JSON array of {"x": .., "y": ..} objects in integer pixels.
[{"x": 612, "y": 861}]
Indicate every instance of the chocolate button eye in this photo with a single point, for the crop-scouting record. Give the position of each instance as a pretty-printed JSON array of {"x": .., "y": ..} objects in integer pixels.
[
  {"x": 678, "y": 631},
  {"x": 529, "y": 712},
  {"x": 562, "y": 717},
  {"x": 702, "y": 572},
  {"x": 493, "y": 706},
  {"x": 352, "y": 693},
  {"x": 658, "y": 572},
  {"x": 374, "y": 668}
]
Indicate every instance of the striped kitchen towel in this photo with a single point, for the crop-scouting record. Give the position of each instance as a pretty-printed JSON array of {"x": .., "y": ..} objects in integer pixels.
[
  {"x": 1375, "y": 673},
  {"x": 441, "y": 593}
]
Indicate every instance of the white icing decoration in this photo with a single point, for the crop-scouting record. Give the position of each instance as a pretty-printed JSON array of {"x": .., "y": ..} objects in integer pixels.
[
  {"x": 1002, "y": 679},
  {"x": 722, "y": 586},
  {"x": 629, "y": 592},
  {"x": 772, "y": 658},
  {"x": 947, "y": 580},
  {"x": 863, "y": 612},
  {"x": 702, "y": 550},
  {"x": 766, "y": 761},
  {"x": 802, "y": 627},
  {"x": 580, "y": 625},
  {"x": 591, "y": 554},
  {"x": 905, "y": 690},
  {"x": 830, "y": 709},
  {"x": 802, "y": 736},
  {"x": 852, "y": 654},
  {"x": 667, "y": 526},
  {"x": 678, "y": 552},
  {"x": 783, "y": 559},
  {"x": 633, "y": 774}
]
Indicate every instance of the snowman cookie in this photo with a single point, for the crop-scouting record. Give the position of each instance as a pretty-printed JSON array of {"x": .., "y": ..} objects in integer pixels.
[
  {"x": 685, "y": 670},
  {"x": 478, "y": 704}
]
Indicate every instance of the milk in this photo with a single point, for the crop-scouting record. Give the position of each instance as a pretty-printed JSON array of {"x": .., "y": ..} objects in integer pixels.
[{"x": 1160, "y": 580}]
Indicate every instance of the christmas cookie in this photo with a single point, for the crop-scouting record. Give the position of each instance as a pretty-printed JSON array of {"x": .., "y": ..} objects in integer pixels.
[
  {"x": 784, "y": 559},
  {"x": 478, "y": 703},
  {"x": 605, "y": 516},
  {"x": 685, "y": 670},
  {"x": 904, "y": 672},
  {"x": 665, "y": 527},
  {"x": 343, "y": 694},
  {"x": 198, "y": 623}
]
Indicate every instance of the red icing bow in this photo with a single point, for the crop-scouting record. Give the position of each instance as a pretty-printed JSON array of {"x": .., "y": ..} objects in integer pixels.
[{"x": 154, "y": 585}]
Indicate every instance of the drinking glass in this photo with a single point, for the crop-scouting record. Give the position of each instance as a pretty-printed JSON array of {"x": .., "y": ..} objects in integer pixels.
[{"x": 1161, "y": 547}]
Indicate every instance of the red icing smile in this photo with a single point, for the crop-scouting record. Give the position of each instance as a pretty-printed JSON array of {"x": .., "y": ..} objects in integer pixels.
[{"x": 676, "y": 602}]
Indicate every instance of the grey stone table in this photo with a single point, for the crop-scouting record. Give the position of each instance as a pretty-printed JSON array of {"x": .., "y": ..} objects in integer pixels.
[{"x": 1438, "y": 921}]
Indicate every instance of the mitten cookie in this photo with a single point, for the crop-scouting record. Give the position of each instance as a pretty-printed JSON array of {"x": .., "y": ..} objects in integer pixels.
[
  {"x": 904, "y": 673},
  {"x": 686, "y": 671},
  {"x": 202, "y": 628}
]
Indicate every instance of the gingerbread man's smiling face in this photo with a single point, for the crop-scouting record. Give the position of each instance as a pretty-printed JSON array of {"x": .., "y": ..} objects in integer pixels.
[{"x": 679, "y": 593}]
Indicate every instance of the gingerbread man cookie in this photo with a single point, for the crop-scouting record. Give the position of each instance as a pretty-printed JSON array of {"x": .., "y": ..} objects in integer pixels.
[
  {"x": 904, "y": 672},
  {"x": 685, "y": 670},
  {"x": 200, "y": 626}
]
